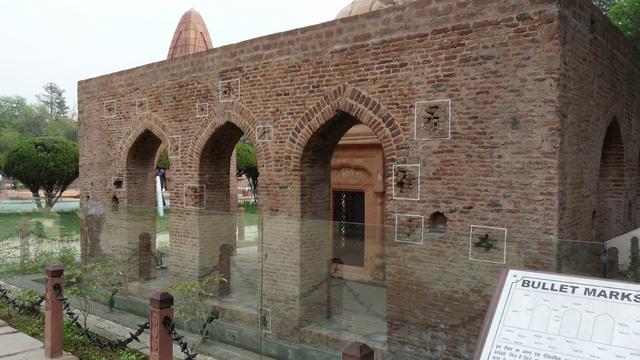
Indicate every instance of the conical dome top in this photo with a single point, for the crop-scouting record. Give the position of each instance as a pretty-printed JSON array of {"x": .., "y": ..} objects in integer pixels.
[
  {"x": 191, "y": 36},
  {"x": 358, "y": 7}
]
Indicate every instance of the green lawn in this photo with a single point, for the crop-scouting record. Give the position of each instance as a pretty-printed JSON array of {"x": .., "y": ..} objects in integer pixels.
[
  {"x": 251, "y": 213},
  {"x": 50, "y": 224}
]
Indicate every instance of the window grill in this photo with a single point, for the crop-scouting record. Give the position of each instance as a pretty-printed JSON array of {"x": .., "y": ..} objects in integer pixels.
[{"x": 349, "y": 228}]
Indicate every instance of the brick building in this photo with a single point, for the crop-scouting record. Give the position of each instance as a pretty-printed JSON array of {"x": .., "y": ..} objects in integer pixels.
[{"x": 513, "y": 119}]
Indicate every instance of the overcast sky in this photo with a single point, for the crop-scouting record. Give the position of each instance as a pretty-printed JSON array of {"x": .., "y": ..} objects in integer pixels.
[{"x": 70, "y": 40}]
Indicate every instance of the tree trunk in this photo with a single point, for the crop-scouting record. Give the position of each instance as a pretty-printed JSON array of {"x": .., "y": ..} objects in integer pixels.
[
  {"x": 51, "y": 200},
  {"x": 36, "y": 198}
]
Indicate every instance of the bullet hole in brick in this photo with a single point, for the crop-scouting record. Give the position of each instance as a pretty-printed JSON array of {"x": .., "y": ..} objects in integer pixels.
[
  {"x": 118, "y": 183},
  {"x": 437, "y": 222}
]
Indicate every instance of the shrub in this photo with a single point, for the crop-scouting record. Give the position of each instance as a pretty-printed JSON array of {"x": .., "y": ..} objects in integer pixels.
[{"x": 47, "y": 164}]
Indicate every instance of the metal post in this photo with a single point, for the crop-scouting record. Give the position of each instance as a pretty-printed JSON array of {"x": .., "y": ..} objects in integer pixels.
[
  {"x": 357, "y": 351},
  {"x": 53, "y": 316},
  {"x": 161, "y": 341}
]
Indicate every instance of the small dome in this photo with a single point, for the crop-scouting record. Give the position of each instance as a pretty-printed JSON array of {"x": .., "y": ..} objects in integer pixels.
[
  {"x": 358, "y": 7},
  {"x": 191, "y": 36}
]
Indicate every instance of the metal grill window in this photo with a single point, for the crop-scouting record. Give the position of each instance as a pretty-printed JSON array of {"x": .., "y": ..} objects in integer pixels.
[{"x": 349, "y": 228}]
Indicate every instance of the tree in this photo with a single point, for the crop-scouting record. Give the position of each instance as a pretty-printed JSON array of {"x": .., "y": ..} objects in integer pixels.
[
  {"x": 247, "y": 165},
  {"x": 245, "y": 156},
  {"x": 163, "y": 160},
  {"x": 62, "y": 127},
  {"x": 604, "y": 5},
  {"x": 97, "y": 281},
  {"x": 26, "y": 119},
  {"x": 53, "y": 99},
  {"x": 9, "y": 137},
  {"x": 10, "y": 109},
  {"x": 193, "y": 309},
  {"x": 46, "y": 164},
  {"x": 17, "y": 114},
  {"x": 626, "y": 15}
]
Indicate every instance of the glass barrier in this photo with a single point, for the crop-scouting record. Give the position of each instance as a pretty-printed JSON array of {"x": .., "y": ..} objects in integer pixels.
[{"x": 251, "y": 286}]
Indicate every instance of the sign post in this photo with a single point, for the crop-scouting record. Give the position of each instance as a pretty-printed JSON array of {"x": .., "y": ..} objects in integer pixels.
[{"x": 544, "y": 316}]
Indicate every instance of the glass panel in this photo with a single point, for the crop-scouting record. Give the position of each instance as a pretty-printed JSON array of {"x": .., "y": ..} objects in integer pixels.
[{"x": 279, "y": 286}]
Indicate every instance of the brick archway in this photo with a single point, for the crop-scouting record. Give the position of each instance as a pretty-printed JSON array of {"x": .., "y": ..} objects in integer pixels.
[
  {"x": 152, "y": 124},
  {"x": 137, "y": 158},
  {"x": 358, "y": 104},
  {"x": 228, "y": 123},
  {"x": 311, "y": 144},
  {"x": 610, "y": 209},
  {"x": 238, "y": 115}
]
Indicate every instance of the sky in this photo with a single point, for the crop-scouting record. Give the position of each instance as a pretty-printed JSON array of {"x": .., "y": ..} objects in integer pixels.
[{"x": 70, "y": 40}]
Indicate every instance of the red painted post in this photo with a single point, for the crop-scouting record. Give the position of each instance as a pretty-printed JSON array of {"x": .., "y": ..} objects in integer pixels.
[
  {"x": 53, "y": 331},
  {"x": 357, "y": 351},
  {"x": 161, "y": 340}
]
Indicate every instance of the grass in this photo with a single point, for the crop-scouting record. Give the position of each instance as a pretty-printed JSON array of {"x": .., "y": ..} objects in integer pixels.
[
  {"x": 163, "y": 222},
  {"x": 250, "y": 208},
  {"x": 33, "y": 325},
  {"x": 65, "y": 224},
  {"x": 51, "y": 224},
  {"x": 251, "y": 213}
]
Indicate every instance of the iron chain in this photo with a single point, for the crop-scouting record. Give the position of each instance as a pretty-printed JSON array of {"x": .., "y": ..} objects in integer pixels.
[
  {"x": 179, "y": 339},
  {"x": 21, "y": 306},
  {"x": 92, "y": 337}
]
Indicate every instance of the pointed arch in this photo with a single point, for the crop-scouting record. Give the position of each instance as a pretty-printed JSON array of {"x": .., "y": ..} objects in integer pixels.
[
  {"x": 366, "y": 109},
  {"x": 154, "y": 125},
  {"x": 234, "y": 113},
  {"x": 611, "y": 185}
]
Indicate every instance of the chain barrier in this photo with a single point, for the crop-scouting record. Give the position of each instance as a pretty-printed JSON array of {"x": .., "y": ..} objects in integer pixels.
[
  {"x": 22, "y": 306},
  {"x": 179, "y": 339},
  {"x": 93, "y": 338},
  {"x": 358, "y": 298}
]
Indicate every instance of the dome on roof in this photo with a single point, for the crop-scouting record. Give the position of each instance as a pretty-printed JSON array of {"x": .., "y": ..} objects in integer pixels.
[
  {"x": 358, "y": 7},
  {"x": 191, "y": 36}
]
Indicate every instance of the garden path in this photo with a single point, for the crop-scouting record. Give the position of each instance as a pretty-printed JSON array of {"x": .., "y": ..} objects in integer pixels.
[{"x": 15, "y": 345}]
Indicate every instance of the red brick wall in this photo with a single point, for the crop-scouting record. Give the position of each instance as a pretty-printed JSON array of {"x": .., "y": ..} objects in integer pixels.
[
  {"x": 500, "y": 64},
  {"x": 599, "y": 105}
]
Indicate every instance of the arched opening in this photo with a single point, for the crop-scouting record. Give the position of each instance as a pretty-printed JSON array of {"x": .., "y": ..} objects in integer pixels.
[
  {"x": 357, "y": 200},
  {"x": 228, "y": 239},
  {"x": 140, "y": 172},
  {"x": 610, "y": 206},
  {"x": 342, "y": 206},
  {"x": 215, "y": 169},
  {"x": 139, "y": 185}
]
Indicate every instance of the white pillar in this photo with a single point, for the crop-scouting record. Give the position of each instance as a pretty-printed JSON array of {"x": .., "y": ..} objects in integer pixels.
[{"x": 159, "y": 196}]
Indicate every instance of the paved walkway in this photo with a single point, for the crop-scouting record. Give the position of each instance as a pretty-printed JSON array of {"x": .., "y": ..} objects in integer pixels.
[{"x": 15, "y": 345}]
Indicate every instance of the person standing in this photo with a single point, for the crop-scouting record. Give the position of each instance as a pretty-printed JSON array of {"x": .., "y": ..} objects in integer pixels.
[{"x": 163, "y": 179}]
